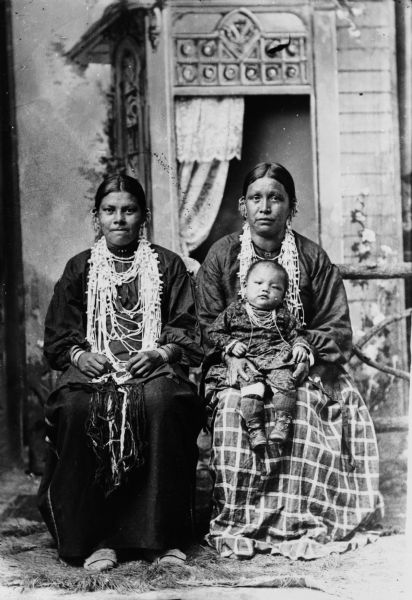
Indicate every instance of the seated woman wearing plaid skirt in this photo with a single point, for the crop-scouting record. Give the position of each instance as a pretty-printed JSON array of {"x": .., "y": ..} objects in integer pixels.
[{"x": 307, "y": 498}]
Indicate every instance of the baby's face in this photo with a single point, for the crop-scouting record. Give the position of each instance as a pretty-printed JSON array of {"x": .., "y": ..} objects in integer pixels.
[{"x": 265, "y": 287}]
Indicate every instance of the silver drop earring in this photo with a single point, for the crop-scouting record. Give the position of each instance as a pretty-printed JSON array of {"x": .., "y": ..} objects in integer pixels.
[
  {"x": 96, "y": 226},
  {"x": 144, "y": 231},
  {"x": 242, "y": 208}
]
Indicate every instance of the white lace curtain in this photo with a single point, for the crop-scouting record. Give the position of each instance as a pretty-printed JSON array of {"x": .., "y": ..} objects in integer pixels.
[{"x": 208, "y": 134}]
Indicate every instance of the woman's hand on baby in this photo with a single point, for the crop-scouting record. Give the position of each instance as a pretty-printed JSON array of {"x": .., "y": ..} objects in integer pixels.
[
  {"x": 299, "y": 354},
  {"x": 239, "y": 349},
  {"x": 236, "y": 367},
  {"x": 93, "y": 364},
  {"x": 301, "y": 372},
  {"x": 143, "y": 363}
]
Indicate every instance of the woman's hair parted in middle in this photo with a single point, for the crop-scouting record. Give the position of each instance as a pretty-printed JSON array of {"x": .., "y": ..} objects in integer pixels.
[
  {"x": 277, "y": 172},
  {"x": 119, "y": 182},
  {"x": 276, "y": 267}
]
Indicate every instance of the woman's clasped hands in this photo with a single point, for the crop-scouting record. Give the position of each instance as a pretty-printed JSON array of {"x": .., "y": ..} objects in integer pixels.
[
  {"x": 140, "y": 364},
  {"x": 93, "y": 364},
  {"x": 143, "y": 363}
]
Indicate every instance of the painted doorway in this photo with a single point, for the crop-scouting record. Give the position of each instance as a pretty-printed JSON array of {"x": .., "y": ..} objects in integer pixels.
[{"x": 276, "y": 129}]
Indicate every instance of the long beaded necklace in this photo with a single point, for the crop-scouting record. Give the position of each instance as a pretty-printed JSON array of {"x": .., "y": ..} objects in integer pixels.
[
  {"x": 262, "y": 318},
  {"x": 107, "y": 319}
]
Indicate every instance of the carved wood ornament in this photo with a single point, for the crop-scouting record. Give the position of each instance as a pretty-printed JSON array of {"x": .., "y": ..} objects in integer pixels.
[
  {"x": 130, "y": 117},
  {"x": 240, "y": 52}
]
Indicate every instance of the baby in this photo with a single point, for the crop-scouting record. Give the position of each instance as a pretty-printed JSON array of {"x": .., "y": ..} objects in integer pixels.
[{"x": 263, "y": 330}]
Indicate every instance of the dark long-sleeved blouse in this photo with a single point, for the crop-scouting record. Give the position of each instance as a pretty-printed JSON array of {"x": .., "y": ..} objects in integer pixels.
[
  {"x": 327, "y": 329},
  {"x": 66, "y": 319}
]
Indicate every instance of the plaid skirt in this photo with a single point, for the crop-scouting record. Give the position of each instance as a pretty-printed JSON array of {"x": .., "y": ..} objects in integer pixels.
[{"x": 307, "y": 500}]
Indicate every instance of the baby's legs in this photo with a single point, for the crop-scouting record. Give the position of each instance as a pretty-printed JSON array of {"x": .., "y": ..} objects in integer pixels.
[
  {"x": 284, "y": 401},
  {"x": 253, "y": 411}
]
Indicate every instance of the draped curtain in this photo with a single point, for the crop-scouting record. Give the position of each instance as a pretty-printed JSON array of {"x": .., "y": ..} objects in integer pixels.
[{"x": 208, "y": 135}]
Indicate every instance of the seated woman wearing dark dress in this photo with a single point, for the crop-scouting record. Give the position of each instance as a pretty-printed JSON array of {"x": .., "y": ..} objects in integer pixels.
[
  {"x": 322, "y": 486},
  {"x": 124, "y": 418}
]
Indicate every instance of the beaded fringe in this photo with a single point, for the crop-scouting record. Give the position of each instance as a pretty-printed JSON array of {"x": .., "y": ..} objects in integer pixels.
[
  {"x": 116, "y": 423},
  {"x": 116, "y": 427}
]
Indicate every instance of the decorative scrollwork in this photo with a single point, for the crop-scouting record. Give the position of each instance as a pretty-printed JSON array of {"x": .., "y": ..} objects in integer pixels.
[
  {"x": 237, "y": 53},
  {"x": 155, "y": 20},
  {"x": 238, "y": 32},
  {"x": 130, "y": 109}
]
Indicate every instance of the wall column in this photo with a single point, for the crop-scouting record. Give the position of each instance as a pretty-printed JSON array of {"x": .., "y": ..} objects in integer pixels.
[
  {"x": 326, "y": 108},
  {"x": 165, "y": 218}
]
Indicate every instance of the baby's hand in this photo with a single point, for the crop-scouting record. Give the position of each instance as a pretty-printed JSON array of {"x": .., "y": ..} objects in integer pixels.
[
  {"x": 239, "y": 349},
  {"x": 300, "y": 354}
]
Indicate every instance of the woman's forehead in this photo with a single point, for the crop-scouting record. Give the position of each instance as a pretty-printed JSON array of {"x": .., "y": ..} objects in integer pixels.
[
  {"x": 265, "y": 184},
  {"x": 119, "y": 199}
]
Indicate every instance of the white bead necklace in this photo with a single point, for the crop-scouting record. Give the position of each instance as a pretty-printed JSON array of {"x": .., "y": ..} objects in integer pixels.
[
  {"x": 107, "y": 319},
  {"x": 261, "y": 318}
]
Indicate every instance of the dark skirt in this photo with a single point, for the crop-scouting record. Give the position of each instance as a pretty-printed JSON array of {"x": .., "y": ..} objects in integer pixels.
[{"x": 153, "y": 508}]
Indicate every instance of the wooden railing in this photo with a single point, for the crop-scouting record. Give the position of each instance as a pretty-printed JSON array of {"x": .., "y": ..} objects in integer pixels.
[{"x": 394, "y": 271}]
